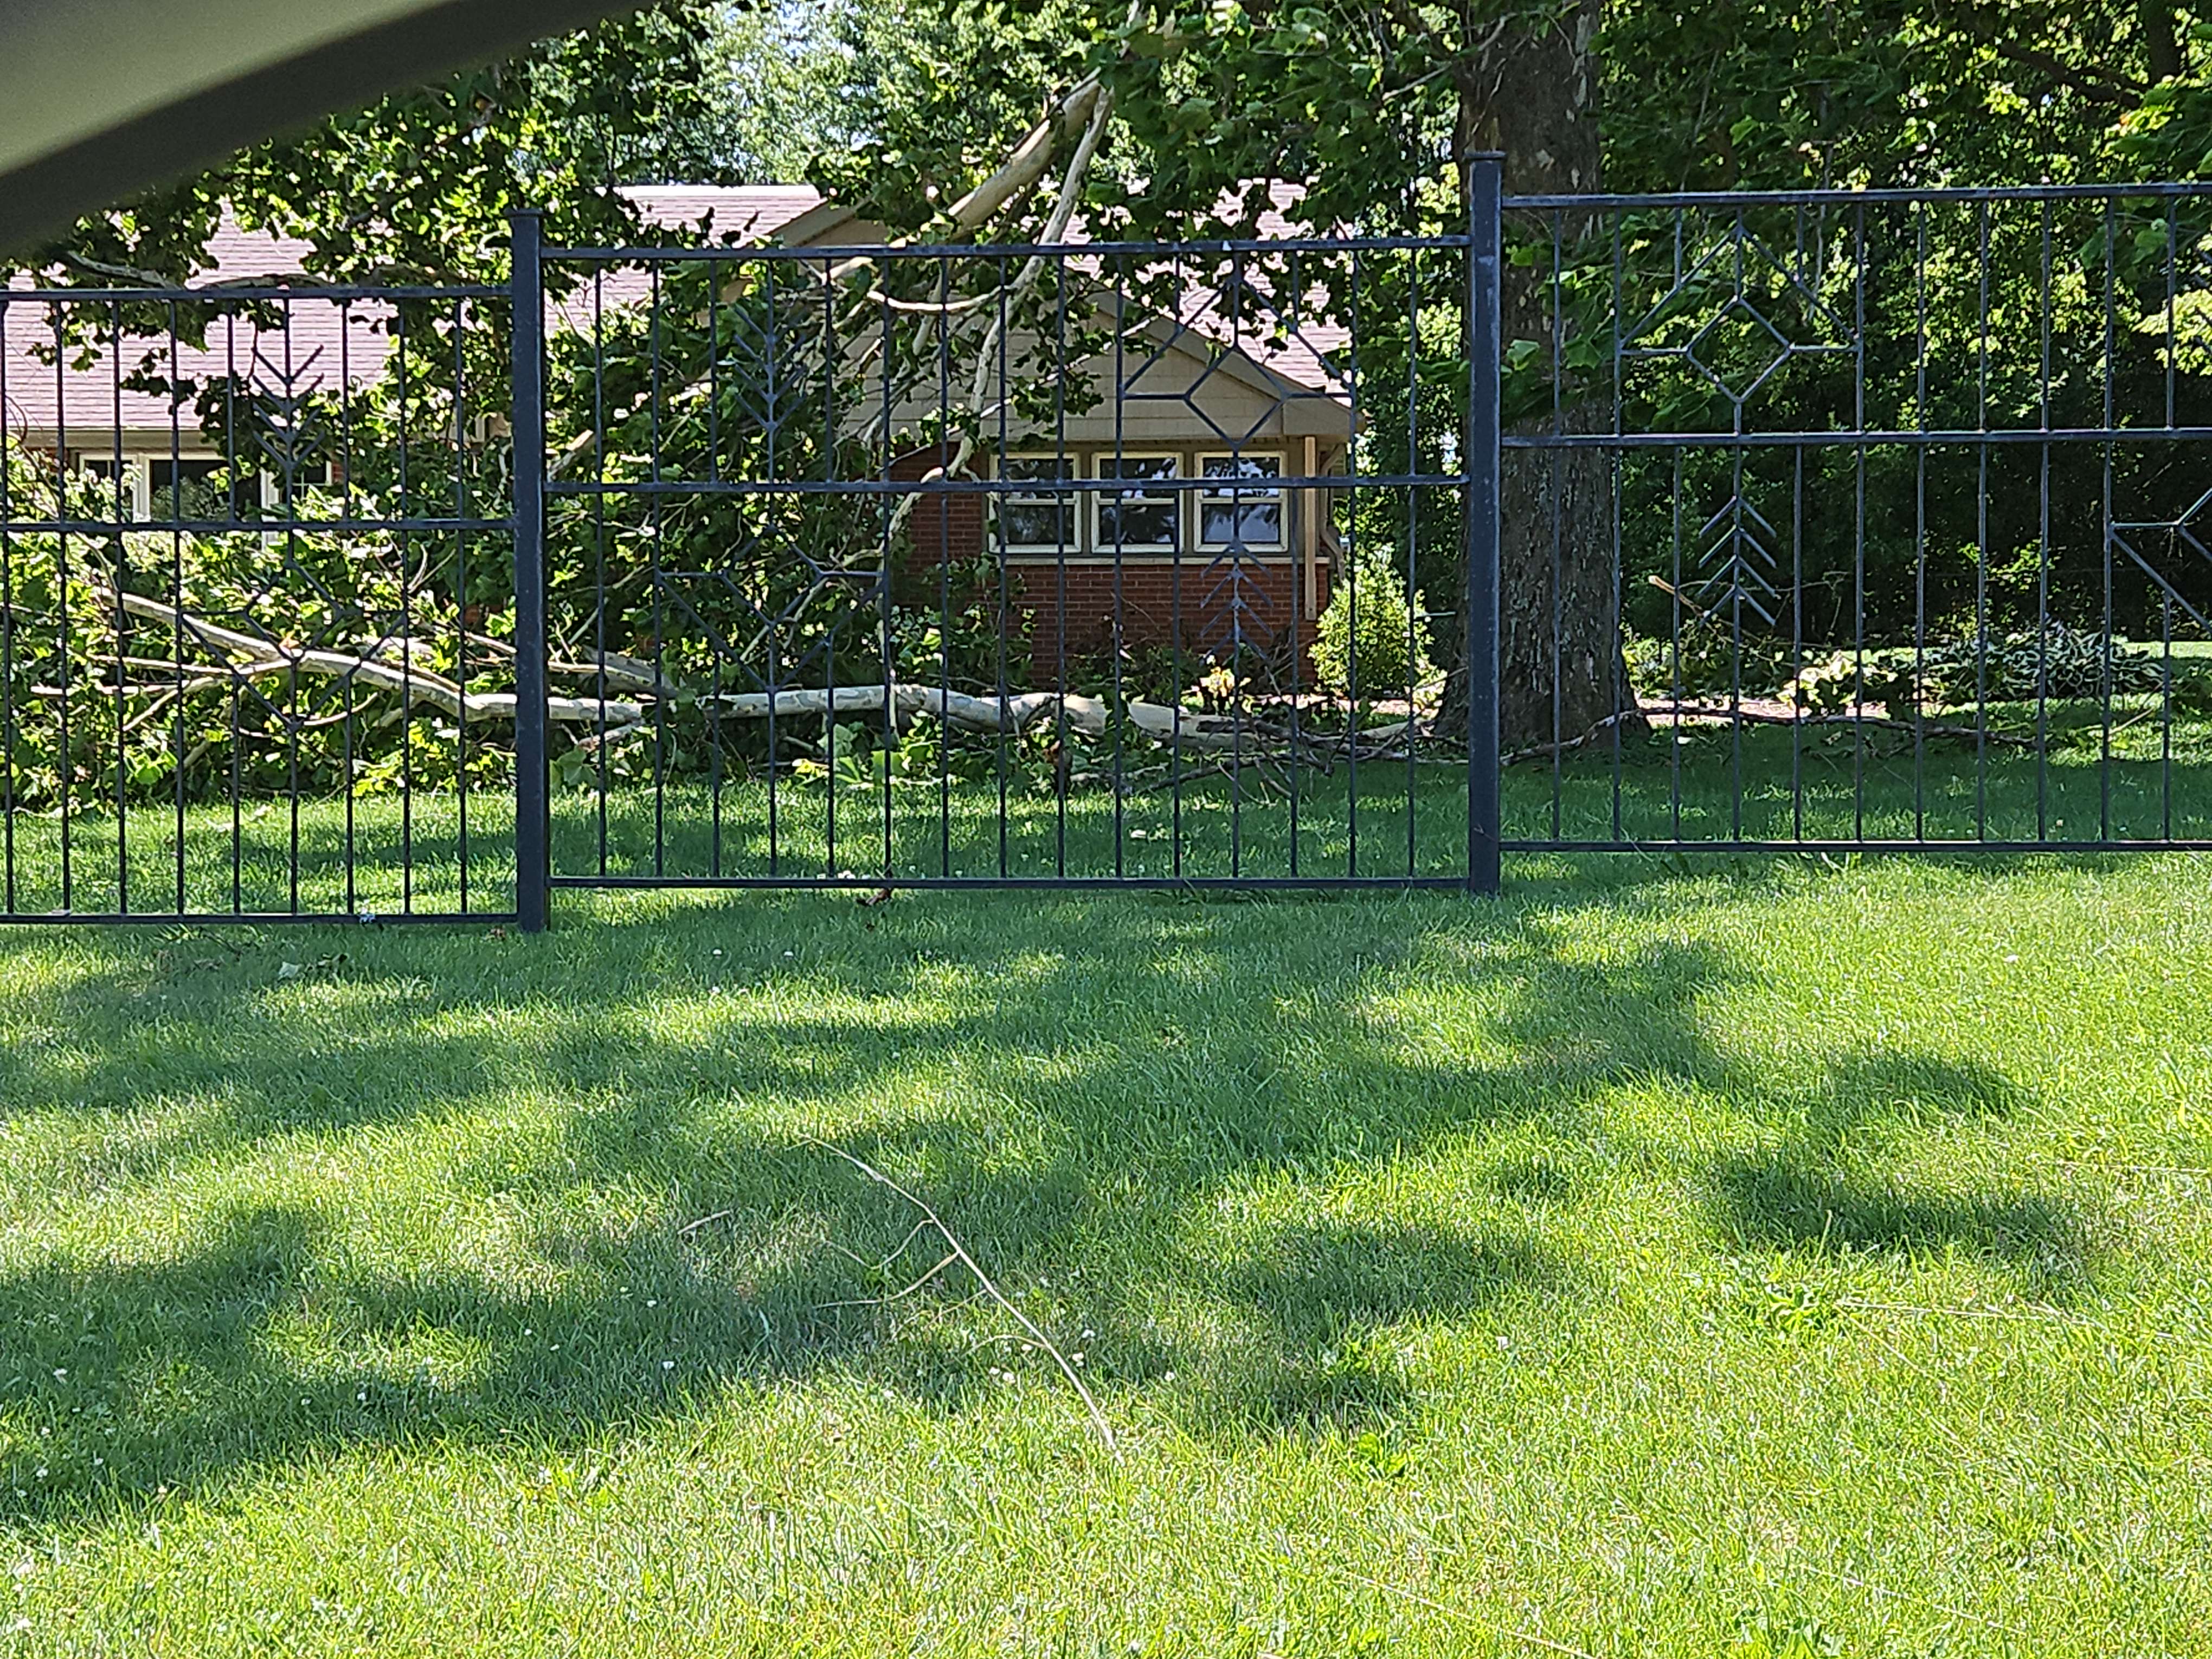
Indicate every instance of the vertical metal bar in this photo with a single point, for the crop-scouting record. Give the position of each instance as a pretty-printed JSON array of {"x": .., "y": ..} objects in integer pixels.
[
  {"x": 1236, "y": 554},
  {"x": 1676, "y": 689},
  {"x": 461, "y": 315},
  {"x": 2104, "y": 654},
  {"x": 406, "y": 587},
  {"x": 998, "y": 506},
  {"x": 346, "y": 693},
  {"x": 122, "y": 624},
  {"x": 1485, "y": 189},
  {"x": 8, "y": 646},
  {"x": 1353, "y": 686},
  {"x": 659, "y": 628},
  {"x": 1981, "y": 530},
  {"x": 2043, "y": 553},
  {"x": 887, "y": 640},
  {"x": 945, "y": 450},
  {"x": 604, "y": 781},
  {"x": 830, "y": 363},
  {"x": 238, "y": 680},
  {"x": 1120, "y": 542},
  {"x": 533, "y": 868},
  {"x": 1920, "y": 522},
  {"x": 63, "y": 768},
  {"x": 1556, "y": 459},
  {"x": 1071, "y": 518},
  {"x": 1623, "y": 690},
  {"x": 1411, "y": 465},
  {"x": 292, "y": 690},
  {"x": 1740, "y": 510},
  {"x": 1174, "y": 633},
  {"x": 1858, "y": 528},
  {"x": 1797, "y": 641}
]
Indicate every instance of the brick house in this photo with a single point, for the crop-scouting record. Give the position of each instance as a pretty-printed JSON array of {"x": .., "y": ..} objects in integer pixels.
[{"x": 1204, "y": 550}]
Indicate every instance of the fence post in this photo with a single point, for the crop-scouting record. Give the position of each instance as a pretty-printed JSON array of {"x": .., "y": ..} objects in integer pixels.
[
  {"x": 527, "y": 414},
  {"x": 1485, "y": 182}
]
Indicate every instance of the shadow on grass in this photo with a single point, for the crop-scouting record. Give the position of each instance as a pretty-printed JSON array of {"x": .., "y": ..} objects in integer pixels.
[
  {"x": 1824, "y": 1185},
  {"x": 1073, "y": 1084}
]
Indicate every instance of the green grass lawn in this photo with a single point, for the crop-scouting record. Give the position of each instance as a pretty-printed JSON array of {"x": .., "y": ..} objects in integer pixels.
[{"x": 1646, "y": 1264}]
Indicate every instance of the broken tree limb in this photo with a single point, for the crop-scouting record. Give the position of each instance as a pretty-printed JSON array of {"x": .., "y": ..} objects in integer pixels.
[
  {"x": 1721, "y": 715},
  {"x": 1013, "y": 714},
  {"x": 1078, "y": 115},
  {"x": 256, "y": 656}
]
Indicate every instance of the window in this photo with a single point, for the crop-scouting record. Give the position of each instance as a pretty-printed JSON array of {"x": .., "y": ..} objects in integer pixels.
[
  {"x": 1037, "y": 520},
  {"x": 1232, "y": 513},
  {"x": 1138, "y": 520},
  {"x": 194, "y": 488},
  {"x": 104, "y": 468}
]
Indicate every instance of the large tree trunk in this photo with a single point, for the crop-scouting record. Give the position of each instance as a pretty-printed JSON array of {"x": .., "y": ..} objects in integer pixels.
[{"x": 1560, "y": 666}]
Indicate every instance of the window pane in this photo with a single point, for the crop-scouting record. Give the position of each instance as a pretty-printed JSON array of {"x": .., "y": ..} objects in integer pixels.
[
  {"x": 1245, "y": 517},
  {"x": 1253, "y": 523},
  {"x": 1136, "y": 524},
  {"x": 1042, "y": 518},
  {"x": 189, "y": 489},
  {"x": 1038, "y": 524},
  {"x": 1137, "y": 466}
]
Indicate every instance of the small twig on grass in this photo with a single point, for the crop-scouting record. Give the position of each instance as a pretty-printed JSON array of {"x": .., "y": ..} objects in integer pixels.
[
  {"x": 896, "y": 1295},
  {"x": 2036, "y": 1313},
  {"x": 1568, "y": 745},
  {"x": 1506, "y": 1630},
  {"x": 990, "y": 1288},
  {"x": 691, "y": 1227},
  {"x": 1914, "y": 1601}
]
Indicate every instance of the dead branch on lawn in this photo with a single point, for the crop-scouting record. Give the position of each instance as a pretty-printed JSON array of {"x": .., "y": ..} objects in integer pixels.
[
  {"x": 1721, "y": 713},
  {"x": 960, "y": 1253}
]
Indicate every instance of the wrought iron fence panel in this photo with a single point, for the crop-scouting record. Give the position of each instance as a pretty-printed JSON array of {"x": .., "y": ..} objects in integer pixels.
[
  {"x": 1894, "y": 502},
  {"x": 886, "y": 565},
  {"x": 256, "y": 612}
]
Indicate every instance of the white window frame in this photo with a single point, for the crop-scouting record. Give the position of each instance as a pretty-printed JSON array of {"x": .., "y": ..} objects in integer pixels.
[
  {"x": 1232, "y": 490},
  {"x": 1105, "y": 546},
  {"x": 1068, "y": 501}
]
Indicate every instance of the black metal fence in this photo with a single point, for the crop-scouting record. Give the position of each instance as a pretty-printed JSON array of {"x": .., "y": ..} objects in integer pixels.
[
  {"x": 1809, "y": 520},
  {"x": 1894, "y": 503},
  {"x": 1010, "y": 565},
  {"x": 257, "y": 645}
]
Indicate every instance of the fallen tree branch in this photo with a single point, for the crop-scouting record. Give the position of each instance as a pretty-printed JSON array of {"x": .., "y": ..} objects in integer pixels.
[
  {"x": 1080, "y": 114},
  {"x": 264, "y": 657},
  {"x": 1012, "y": 714}
]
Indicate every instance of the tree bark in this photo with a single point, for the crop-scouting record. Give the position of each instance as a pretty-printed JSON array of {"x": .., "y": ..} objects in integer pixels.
[
  {"x": 2161, "y": 40},
  {"x": 1560, "y": 668}
]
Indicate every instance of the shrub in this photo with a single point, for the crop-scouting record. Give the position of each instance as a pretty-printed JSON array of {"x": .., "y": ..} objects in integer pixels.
[
  {"x": 2019, "y": 666},
  {"x": 1704, "y": 659},
  {"x": 1373, "y": 630}
]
